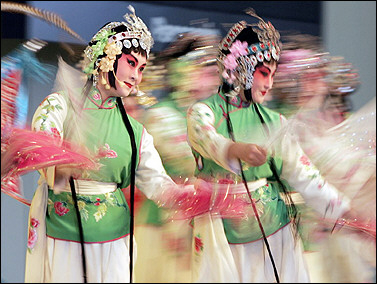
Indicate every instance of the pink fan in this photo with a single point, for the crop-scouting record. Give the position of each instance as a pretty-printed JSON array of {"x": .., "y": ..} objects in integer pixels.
[{"x": 28, "y": 151}]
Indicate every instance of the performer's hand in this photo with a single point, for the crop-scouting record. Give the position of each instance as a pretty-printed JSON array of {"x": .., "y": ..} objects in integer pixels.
[
  {"x": 66, "y": 171},
  {"x": 208, "y": 198},
  {"x": 252, "y": 154}
]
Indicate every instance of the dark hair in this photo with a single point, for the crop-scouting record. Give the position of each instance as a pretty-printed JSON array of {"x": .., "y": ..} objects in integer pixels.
[{"x": 248, "y": 35}]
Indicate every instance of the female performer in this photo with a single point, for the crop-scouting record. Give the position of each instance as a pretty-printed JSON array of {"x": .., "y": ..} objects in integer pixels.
[
  {"x": 80, "y": 226},
  {"x": 228, "y": 133}
]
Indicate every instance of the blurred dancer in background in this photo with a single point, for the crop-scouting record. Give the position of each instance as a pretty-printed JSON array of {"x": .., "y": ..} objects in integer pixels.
[
  {"x": 229, "y": 134},
  {"x": 302, "y": 66},
  {"x": 309, "y": 79},
  {"x": 313, "y": 88},
  {"x": 192, "y": 74}
]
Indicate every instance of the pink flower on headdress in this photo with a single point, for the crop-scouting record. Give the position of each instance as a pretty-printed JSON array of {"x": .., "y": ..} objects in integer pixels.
[
  {"x": 230, "y": 62},
  {"x": 239, "y": 48},
  {"x": 229, "y": 78}
]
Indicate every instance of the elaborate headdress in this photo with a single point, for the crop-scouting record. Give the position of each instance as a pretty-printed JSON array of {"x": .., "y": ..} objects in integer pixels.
[
  {"x": 106, "y": 44},
  {"x": 244, "y": 47}
]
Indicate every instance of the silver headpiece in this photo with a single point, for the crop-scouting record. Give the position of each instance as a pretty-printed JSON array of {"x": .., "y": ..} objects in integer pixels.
[{"x": 110, "y": 43}]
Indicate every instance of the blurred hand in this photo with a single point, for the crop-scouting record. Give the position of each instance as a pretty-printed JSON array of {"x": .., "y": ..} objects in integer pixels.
[
  {"x": 66, "y": 171},
  {"x": 208, "y": 198},
  {"x": 252, "y": 154}
]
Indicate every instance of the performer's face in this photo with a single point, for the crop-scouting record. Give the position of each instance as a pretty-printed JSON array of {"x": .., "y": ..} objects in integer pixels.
[
  {"x": 130, "y": 72},
  {"x": 263, "y": 80},
  {"x": 205, "y": 82}
]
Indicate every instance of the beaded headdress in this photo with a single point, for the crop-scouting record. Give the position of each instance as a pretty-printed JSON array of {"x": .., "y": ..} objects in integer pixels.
[
  {"x": 238, "y": 58},
  {"x": 109, "y": 43}
]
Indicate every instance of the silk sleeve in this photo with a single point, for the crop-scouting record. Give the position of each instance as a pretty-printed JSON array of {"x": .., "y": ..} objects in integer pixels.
[
  {"x": 306, "y": 179},
  {"x": 49, "y": 117},
  {"x": 203, "y": 137}
]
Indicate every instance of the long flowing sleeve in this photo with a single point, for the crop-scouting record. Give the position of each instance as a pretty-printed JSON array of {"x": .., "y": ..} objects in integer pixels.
[
  {"x": 152, "y": 180},
  {"x": 151, "y": 177},
  {"x": 203, "y": 137},
  {"x": 297, "y": 169},
  {"x": 49, "y": 117},
  {"x": 306, "y": 179}
]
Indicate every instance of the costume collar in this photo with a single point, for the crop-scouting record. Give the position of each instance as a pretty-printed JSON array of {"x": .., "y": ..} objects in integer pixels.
[
  {"x": 95, "y": 97},
  {"x": 235, "y": 100}
]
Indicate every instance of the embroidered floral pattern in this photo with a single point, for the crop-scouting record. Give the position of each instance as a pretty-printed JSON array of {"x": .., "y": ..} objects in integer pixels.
[
  {"x": 106, "y": 152},
  {"x": 101, "y": 211},
  {"x": 55, "y": 132},
  {"x": 96, "y": 99},
  {"x": 34, "y": 222},
  {"x": 98, "y": 202},
  {"x": 97, "y": 96},
  {"x": 33, "y": 236},
  {"x": 261, "y": 197},
  {"x": 60, "y": 209},
  {"x": 199, "y": 246},
  {"x": 48, "y": 105},
  {"x": 83, "y": 201},
  {"x": 312, "y": 170},
  {"x": 305, "y": 160},
  {"x": 175, "y": 244}
]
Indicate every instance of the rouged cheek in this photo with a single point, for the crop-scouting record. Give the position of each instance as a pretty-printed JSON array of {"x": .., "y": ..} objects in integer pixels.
[{"x": 140, "y": 78}]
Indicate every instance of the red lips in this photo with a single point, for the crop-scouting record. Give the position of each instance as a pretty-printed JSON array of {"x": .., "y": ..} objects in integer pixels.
[{"x": 128, "y": 84}]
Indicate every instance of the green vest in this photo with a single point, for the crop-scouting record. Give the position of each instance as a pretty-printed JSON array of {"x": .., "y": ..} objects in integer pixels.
[
  {"x": 247, "y": 128},
  {"x": 104, "y": 217},
  {"x": 153, "y": 214}
]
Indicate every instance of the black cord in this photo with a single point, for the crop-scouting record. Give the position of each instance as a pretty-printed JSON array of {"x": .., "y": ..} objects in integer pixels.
[
  {"x": 292, "y": 210},
  {"x": 230, "y": 130},
  {"x": 132, "y": 181},
  {"x": 81, "y": 232}
]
